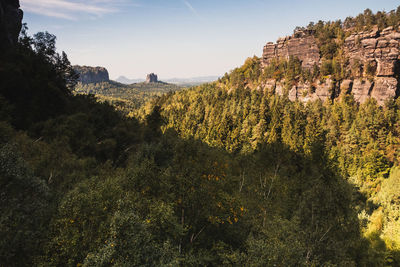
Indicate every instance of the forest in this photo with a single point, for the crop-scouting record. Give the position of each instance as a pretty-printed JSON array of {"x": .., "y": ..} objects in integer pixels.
[
  {"x": 125, "y": 98},
  {"x": 214, "y": 175}
]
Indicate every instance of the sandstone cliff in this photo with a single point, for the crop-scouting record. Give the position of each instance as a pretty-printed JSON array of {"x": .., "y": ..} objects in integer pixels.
[
  {"x": 302, "y": 45},
  {"x": 374, "y": 52},
  {"x": 92, "y": 74},
  {"x": 10, "y": 22}
]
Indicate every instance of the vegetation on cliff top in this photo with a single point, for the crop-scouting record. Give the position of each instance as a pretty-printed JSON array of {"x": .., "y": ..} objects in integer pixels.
[{"x": 335, "y": 64}]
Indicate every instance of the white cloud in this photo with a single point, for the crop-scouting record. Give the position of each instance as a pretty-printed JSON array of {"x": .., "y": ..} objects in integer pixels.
[
  {"x": 191, "y": 8},
  {"x": 70, "y": 9}
]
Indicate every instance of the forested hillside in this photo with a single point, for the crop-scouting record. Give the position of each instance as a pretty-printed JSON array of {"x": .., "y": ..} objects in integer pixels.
[
  {"x": 360, "y": 142},
  {"x": 217, "y": 175},
  {"x": 325, "y": 60},
  {"x": 242, "y": 114},
  {"x": 125, "y": 98}
]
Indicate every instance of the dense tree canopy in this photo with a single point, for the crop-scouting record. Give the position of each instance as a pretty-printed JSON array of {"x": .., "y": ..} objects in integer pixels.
[{"x": 216, "y": 175}]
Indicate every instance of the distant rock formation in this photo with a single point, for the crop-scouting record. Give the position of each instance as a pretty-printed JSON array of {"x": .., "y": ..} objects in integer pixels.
[
  {"x": 92, "y": 74},
  {"x": 10, "y": 22},
  {"x": 379, "y": 50},
  {"x": 151, "y": 78}
]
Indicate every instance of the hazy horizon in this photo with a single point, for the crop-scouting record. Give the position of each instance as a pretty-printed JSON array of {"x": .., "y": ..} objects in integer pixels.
[{"x": 179, "y": 38}]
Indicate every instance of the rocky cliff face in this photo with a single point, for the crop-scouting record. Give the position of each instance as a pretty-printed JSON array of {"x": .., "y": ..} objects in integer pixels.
[
  {"x": 376, "y": 54},
  {"x": 92, "y": 74},
  {"x": 303, "y": 91},
  {"x": 10, "y": 22},
  {"x": 380, "y": 52},
  {"x": 302, "y": 45}
]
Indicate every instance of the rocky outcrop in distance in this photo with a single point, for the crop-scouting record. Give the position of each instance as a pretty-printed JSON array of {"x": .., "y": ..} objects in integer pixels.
[
  {"x": 379, "y": 50},
  {"x": 151, "y": 78},
  {"x": 92, "y": 74},
  {"x": 10, "y": 22}
]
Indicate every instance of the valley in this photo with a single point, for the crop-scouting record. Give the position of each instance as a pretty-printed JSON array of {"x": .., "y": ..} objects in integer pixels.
[{"x": 292, "y": 159}]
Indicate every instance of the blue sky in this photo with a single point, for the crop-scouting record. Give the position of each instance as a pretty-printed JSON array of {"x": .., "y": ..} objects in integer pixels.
[{"x": 177, "y": 38}]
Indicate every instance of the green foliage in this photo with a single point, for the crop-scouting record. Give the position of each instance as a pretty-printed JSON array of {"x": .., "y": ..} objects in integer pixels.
[
  {"x": 370, "y": 69},
  {"x": 355, "y": 138},
  {"x": 217, "y": 175},
  {"x": 24, "y": 209},
  {"x": 327, "y": 68},
  {"x": 279, "y": 69},
  {"x": 247, "y": 75},
  {"x": 24, "y": 84},
  {"x": 327, "y": 34},
  {"x": 368, "y": 19},
  {"x": 131, "y": 244},
  {"x": 389, "y": 198},
  {"x": 280, "y": 244},
  {"x": 126, "y": 98}
]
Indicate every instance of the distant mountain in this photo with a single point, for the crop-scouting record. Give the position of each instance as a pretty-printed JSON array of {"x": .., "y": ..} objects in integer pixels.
[
  {"x": 193, "y": 80},
  {"x": 125, "y": 80}
]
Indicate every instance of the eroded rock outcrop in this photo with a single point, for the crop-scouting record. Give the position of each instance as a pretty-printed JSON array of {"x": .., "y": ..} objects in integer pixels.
[
  {"x": 385, "y": 88},
  {"x": 378, "y": 49},
  {"x": 10, "y": 22},
  {"x": 375, "y": 53},
  {"x": 380, "y": 52},
  {"x": 151, "y": 78},
  {"x": 362, "y": 90},
  {"x": 92, "y": 74},
  {"x": 323, "y": 90},
  {"x": 302, "y": 44}
]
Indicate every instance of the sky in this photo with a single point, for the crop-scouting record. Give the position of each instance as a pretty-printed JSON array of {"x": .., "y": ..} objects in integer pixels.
[{"x": 177, "y": 38}]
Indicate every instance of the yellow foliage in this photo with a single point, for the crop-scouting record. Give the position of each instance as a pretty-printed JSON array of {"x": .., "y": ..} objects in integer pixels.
[{"x": 375, "y": 222}]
